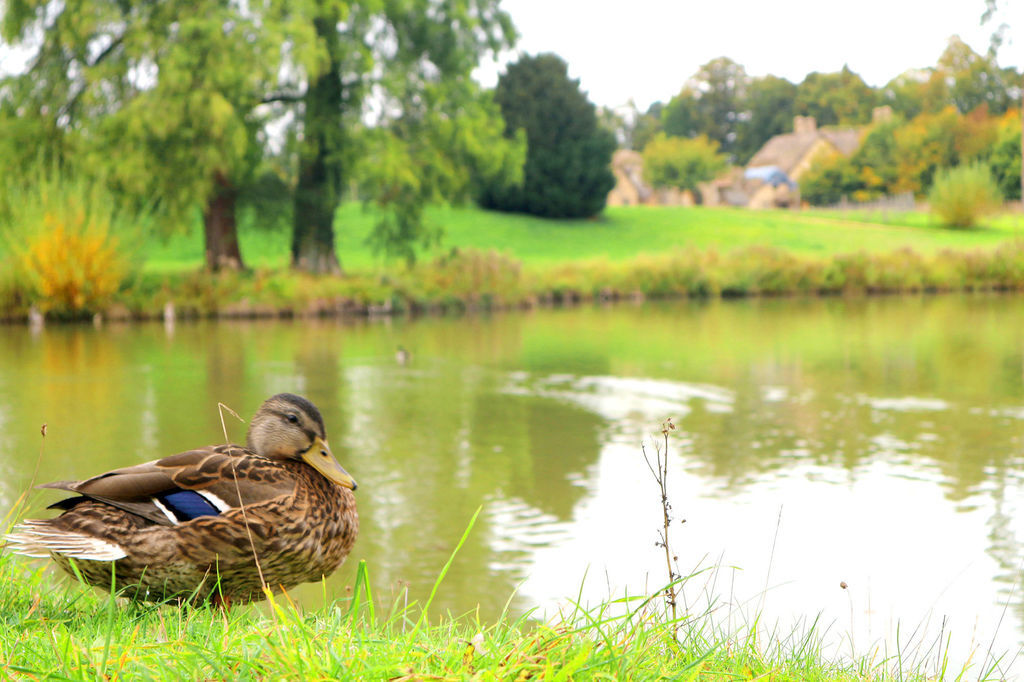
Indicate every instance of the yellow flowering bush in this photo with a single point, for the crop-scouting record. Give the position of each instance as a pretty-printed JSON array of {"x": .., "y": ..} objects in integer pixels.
[{"x": 63, "y": 243}]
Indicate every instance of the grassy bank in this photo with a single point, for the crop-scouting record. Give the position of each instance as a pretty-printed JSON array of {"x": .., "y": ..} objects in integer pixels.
[
  {"x": 56, "y": 629},
  {"x": 499, "y": 261},
  {"x": 620, "y": 234},
  {"x": 75, "y": 633}
]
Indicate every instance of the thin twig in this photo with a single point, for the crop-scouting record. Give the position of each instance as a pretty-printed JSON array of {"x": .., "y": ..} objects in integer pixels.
[{"x": 659, "y": 469}]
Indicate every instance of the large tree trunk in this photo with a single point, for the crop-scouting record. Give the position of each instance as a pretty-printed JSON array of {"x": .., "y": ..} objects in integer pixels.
[
  {"x": 320, "y": 169},
  {"x": 313, "y": 230},
  {"x": 219, "y": 227}
]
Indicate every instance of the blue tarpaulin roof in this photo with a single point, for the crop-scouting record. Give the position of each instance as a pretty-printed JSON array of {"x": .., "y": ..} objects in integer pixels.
[{"x": 773, "y": 175}]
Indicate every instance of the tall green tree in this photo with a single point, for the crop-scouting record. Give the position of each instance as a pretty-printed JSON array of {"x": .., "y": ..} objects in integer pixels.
[
  {"x": 829, "y": 180},
  {"x": 915, "y": 92},
  {"x": 767, "y": 111},
  {"x": 645, "y": 126},
  {"x": 836, "y": 98},
  {"x": 992, "y": 9},
  {"x": 157, "y": 97},
  {"x": 444, "y": 147},
  {"x": 322, "y": 157},
  {"x": 681, "y": 162},
  {"x": 962, "y": 77},
  {"x": 381, "y": 62},
  {"x": 974, "y": 80},
  {"x": 711, "y": 103},
  {"x": 567, "y": 172},
  {"x": 1005, "y": 156},
  {"x": 171, "y": 100}
]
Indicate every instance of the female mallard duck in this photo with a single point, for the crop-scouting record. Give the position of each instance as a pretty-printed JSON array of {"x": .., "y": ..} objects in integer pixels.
[{"x": 189, "y": 526}]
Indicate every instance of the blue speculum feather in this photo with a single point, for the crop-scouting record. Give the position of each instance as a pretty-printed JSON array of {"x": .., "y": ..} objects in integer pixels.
[{"x": 187, "y": 505}]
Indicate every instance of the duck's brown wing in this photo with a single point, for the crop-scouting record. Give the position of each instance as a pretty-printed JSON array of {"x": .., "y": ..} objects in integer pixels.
[{"x": 179, "y": 488}]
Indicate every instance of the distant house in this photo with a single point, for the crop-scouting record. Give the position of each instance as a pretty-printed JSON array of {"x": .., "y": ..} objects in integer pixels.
[
  {"x": 771, "y": 177},
  {"x": 631, "y": 190},
  {"x": 770, "y": 180}
]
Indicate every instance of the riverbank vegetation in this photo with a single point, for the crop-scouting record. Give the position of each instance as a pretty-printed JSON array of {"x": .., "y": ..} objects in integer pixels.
[{"x": 489, "y": 260}]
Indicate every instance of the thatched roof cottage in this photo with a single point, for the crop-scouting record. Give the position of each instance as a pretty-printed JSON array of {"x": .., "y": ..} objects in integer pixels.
[{"x": 771, "y": 177}]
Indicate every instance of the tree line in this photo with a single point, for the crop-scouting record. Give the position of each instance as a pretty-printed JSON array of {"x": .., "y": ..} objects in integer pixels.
[
  {"x": 223, "y": 106},
  {"x": 740, "y": 112},
  {"x": 284, "y": 109},
  {"x": 962, "y": 108},
  {"x": 900, "y": 155}
]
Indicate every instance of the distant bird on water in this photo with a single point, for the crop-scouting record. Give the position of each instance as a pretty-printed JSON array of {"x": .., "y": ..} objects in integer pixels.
[
  {"x": 188, "y": 526},
  {"x": 402, "y": 356}
]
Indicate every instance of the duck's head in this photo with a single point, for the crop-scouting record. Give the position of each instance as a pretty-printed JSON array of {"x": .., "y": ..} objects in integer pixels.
[{"x": 289, "y": 427}]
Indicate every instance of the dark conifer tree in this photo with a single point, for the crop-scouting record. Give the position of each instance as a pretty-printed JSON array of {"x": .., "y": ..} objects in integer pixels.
[{"x": 567, "y": 172}]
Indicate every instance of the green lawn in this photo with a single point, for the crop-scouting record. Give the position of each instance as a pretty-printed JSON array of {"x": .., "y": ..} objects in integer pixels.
[
  {"x": 66, "y": 632},
  {"x": 621, "y": 233}
]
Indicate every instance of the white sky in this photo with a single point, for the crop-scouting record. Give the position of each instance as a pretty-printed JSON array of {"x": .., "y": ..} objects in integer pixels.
[{"x": 645, "y": 50}]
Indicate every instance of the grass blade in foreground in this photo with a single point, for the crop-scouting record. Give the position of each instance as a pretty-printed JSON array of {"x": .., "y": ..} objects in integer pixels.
[{"x": 72, "y": 633}]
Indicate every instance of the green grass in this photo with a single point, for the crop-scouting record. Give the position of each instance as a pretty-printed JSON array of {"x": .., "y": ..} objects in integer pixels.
[
  {"x": 72, "y": 632},
  {"x": 621, "y": 233},
  {"x": 626, "y": 232},
  {"x": 75, "y": 633}
]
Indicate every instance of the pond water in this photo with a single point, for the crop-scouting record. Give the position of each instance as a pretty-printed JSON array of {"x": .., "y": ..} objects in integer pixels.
[{"x": 876, "y": 442}]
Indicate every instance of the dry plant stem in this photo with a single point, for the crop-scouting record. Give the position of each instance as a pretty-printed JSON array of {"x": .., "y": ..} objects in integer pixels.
[
  {"x": 659, "y": 469},
  {"x": 42, "y": 443},
  {"x": 221, "y": 407},
  {"x": 16, "y": 508}
]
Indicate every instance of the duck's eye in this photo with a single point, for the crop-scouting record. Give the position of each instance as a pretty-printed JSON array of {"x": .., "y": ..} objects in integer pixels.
[{"x": 293, "y": 419}]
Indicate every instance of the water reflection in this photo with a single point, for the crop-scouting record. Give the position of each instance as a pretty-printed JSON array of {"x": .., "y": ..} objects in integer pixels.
[{"x": 884, "y": 433}]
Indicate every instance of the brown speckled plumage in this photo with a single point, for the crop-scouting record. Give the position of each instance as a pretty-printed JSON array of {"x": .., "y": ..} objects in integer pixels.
[{"x": 275, "y": 502}]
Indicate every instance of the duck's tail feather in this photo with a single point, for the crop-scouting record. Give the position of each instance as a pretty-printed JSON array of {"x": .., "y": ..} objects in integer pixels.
[{"x": 39, "y": 538}]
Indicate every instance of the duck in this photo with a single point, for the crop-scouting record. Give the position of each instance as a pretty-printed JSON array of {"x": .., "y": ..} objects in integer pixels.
[
  {"x": 221, "y": 523},
  {"x": 402, "y": 356}
]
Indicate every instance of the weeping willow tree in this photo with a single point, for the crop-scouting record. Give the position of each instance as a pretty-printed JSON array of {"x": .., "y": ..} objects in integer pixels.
[
  {"x": 170, "y": 102},
  {"x": 160, "y": 98},
  {"x": 392, "y": 109}
]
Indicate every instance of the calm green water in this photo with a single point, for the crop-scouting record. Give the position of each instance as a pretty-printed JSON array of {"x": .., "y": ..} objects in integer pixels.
[{"x": 876, "y": 442}]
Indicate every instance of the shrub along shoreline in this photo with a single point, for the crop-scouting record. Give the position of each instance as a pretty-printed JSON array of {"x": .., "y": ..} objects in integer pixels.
[{"x": 471, "y": 280}]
